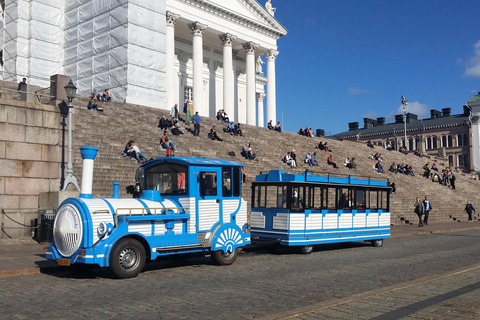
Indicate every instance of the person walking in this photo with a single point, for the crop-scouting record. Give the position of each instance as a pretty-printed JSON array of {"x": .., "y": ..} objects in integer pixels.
[
  {"x": 428, "y": 208},
  {"x": 419, "y": 209},
  {"x": 196, "y": 124},
  {"x": 452, "y": 181},
  {"x": 469, "y": 209}
]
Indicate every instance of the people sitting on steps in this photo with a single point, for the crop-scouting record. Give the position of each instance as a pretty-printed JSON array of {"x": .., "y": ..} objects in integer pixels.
[
  {"x": 213, "y": 134},
  {"x": 289, "y": 160},
  {"x": 166, "y": 143},
  {"x": 330, "y": 162},
  {"x": 247, "y": 152}
]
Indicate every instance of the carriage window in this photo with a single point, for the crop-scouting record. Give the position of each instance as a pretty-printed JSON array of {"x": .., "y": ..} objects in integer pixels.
[
  {"x": 373, "y": 199},
  {"x": 315, "y": 198},
  {"x": 331, "y": 197},
  {"x": 208, "y": 183},
  {"x": 260, "y": 193},
  {"x": 344, "y": 198},
  {"x": 384, "y": 200},
  {"x": 360, "y": 199},
  {"x": 169, "y": 179},
  {"x": 279, "y": 195},
  {"x": 298, "y": 198}
]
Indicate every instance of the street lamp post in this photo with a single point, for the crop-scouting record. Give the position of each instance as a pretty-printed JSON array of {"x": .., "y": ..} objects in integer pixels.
[
  {"x": 64, "y": 113},
  {"x": 404, "y": 103},
  {"x": 71, "y": 90}
]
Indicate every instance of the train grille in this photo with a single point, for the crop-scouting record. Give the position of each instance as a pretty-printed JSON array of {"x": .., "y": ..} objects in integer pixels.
[{"x": 67, "y": 230}]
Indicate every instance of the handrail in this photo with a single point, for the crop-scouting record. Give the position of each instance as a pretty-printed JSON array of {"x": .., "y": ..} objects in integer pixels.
[{"x": 117, "y": 213}]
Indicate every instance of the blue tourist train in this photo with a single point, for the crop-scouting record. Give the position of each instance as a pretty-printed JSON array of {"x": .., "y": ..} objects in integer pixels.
[{"x": 188, "y": 205}]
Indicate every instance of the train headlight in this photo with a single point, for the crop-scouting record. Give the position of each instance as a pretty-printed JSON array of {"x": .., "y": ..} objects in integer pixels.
[
  {"x": 67, "y": 230},
  {"x": 104, "y": 228}
]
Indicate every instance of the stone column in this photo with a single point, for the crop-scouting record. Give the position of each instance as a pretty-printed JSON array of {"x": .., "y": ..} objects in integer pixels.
[
  {"x": 228, "y": 98},
  {"x": 271, "y": 91},
  {"x": 197, "y": 31},
  {"x": 250, "y": 48},
  {"x": 170, "y": 59},
  {"x": 260, "y": 120}
]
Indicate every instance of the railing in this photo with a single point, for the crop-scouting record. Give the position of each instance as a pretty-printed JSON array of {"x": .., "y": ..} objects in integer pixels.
[
  {"x": 21, "y": 95},
  {"x": 34, "y": 226},
  {"x": 153, "y": 211}
]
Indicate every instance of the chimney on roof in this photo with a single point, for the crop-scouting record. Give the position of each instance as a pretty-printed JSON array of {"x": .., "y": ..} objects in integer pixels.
[
  {"x": 368, "y": 123},
  {"x": 399, "y": 118},
  {"x": 446, "y": 112},
  {"x": 434, "y": 114},
  {"x": 466, "y": 110},
  {"x": 352, "y": 126},
  {"x": 380, "y": 121},
  {"x": 411, "y": 116}
]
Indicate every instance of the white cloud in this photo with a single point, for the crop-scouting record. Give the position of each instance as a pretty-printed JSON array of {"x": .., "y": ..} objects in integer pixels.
[
  {"x": 473, "y": 65},
  {"x": 356, "y": 91},
  {"x": 370, "y": 114}
]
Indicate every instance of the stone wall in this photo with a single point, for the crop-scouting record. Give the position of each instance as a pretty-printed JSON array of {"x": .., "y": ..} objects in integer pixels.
[{"x": 30, "y": 157}]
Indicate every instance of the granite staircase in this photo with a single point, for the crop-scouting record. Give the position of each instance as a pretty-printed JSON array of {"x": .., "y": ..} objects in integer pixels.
[{"x": 111, "y": 129}]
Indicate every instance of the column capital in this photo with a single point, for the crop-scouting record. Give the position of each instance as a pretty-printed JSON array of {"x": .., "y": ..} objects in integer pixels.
[
  {"x": 260, "y": 96},
  {"x": 197, "y": 28},
  {"x": 272, "y": 54},
  {"x": 227, "y": 39},
  {"x": 171, "y": 18},
  {"x": 250, "y": 47}
]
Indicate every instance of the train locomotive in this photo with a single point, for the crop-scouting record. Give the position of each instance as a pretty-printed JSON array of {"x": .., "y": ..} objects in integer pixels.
[{"x": 187, "y": 205}]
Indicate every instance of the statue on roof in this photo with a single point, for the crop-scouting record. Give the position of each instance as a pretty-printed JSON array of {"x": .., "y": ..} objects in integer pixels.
[{"x": 269, "y": 8}]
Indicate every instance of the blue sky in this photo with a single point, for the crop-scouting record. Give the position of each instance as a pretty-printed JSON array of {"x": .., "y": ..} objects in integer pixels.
[{"x": 343, "y": 60}]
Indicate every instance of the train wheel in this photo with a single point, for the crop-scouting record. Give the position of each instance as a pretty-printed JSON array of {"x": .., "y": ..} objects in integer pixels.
[
  {"x": 127, "y": 258},
  {"x": 306, "y": 249},
  {"x": 377, "y": 243},
  {"x": 225, "y": 258}
]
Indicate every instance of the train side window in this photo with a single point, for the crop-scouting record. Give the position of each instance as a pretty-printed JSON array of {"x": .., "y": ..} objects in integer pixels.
[
  {"x": 227, "y": 182},
  {"x": 237, "y": 182},
  {"x": 208, "y": 183}
]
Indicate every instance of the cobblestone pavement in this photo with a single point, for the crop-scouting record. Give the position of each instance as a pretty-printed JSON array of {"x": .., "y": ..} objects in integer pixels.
[{"x": 265, "y": 285}]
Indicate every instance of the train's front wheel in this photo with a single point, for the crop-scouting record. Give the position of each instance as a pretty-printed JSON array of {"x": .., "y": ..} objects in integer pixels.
[{"x": 127, "y": 258}]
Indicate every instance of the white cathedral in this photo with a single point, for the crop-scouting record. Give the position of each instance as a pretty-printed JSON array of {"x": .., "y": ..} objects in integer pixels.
[{"x": 155, "y": 53}]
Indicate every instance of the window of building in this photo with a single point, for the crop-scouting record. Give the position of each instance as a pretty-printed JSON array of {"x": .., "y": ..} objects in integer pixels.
[
  {"x": 460, "y": 161},
  {"x": 444, "y": 141},
  {"x": 434, "y": 143},
  {"x": 411, "y": 145},
  {"x": 429, "y": 143},
  {"x": 460, "y": 140},
  {"x": 466, "y": 161},
  {"x": 466, "y": 141},
  {"x": 450, "y": 141},
  {"x": 450, "y": 161},
  {"x": 417, "y": 143},
  {"x": 188, "y": 94}
]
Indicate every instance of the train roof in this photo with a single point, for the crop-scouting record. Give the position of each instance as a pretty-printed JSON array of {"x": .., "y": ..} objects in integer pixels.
[
  {"x": 280, "y": 176},
  {"x": 192, "y": 161}
]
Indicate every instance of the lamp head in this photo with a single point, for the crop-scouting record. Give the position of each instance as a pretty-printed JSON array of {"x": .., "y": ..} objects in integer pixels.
[
  {"x": 63, "y": 109},
  {"x": 71, "y": 91}
]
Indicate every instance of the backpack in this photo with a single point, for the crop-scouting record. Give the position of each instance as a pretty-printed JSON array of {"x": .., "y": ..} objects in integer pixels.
[{"x": 231, "y": 153}]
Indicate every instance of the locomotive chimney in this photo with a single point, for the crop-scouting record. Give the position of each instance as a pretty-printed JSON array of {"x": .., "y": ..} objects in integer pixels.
[
  {"x": 116, "y": 186},
  {"x": 88, "y": 156}
]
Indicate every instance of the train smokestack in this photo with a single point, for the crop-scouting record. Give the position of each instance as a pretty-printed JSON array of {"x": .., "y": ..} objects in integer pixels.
[{"x": 88, "y": 156}]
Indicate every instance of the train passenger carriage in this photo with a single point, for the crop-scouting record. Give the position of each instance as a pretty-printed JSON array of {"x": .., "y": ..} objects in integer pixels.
[
  {"x": 187, "y": 205},
  {"x": 304, "y": 209}
]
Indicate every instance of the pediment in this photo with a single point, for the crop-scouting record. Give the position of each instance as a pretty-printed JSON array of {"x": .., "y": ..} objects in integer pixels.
[{"x": 250, "y": 10}]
